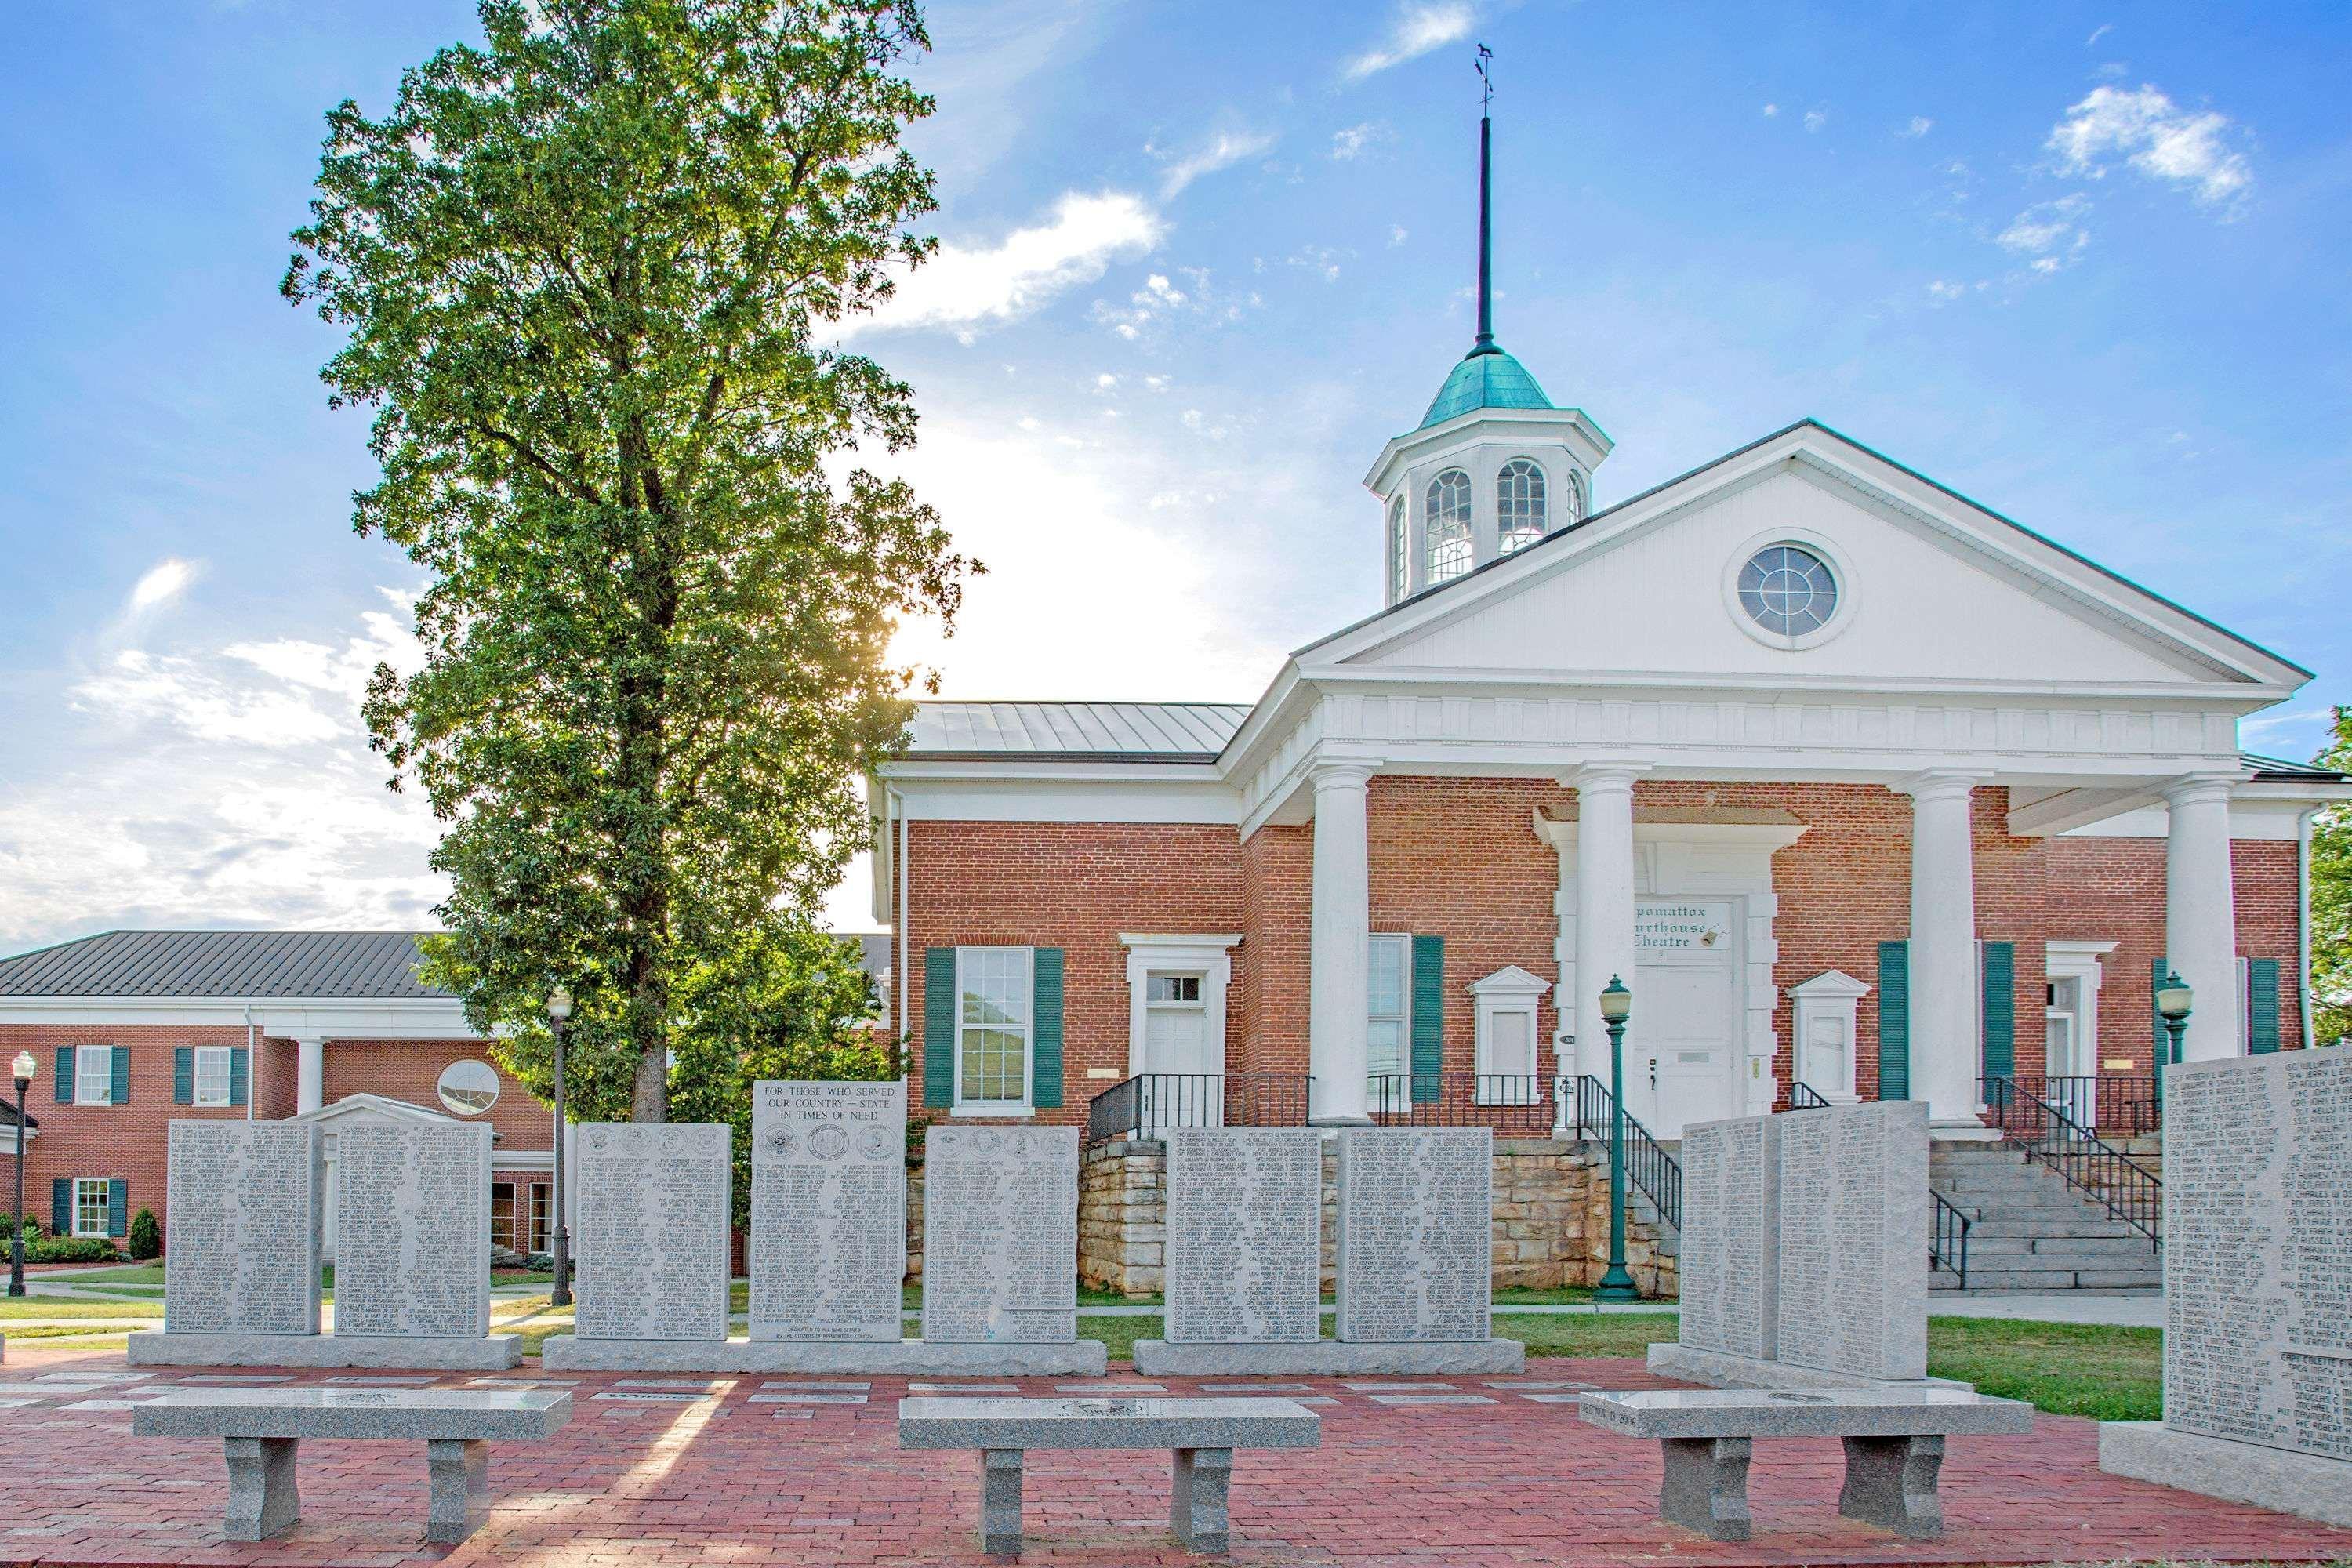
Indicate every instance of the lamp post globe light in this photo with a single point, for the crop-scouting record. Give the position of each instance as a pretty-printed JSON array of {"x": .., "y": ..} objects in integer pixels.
[
  {"x": 22, "y": 1070},
  {"x": 558, "y": 1020},
  {"x": 2172, "y": 999},
  {"x": 1616, "y": 1006}
]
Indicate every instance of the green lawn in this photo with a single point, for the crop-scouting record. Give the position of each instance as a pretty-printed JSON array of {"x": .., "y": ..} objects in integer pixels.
[
  {"x": 37, "y": 1307},
  {"x": 2067, "y": 1368},
  {"x": 135, "y": 1274}
]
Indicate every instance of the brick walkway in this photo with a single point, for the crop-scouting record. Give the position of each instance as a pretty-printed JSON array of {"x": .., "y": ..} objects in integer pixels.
[{"x": 650, "y": 1483}]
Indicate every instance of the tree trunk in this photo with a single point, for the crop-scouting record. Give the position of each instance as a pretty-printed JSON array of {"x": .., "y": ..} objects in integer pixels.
[{"x": 649, "y": 1097}]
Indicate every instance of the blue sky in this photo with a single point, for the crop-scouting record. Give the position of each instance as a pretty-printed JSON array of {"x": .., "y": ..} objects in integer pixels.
[{"x": 2084, "y": 263}]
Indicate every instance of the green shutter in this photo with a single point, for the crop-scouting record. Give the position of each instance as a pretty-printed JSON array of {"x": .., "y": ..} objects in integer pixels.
[
  {"x": 61, "y": 1206},
  {"x": 1045, "y": 1030},
  {"x": 1997, "y": 1050},
  {"x": 1893, "y": 1020},
  {"x": 65, "y": 1075},
  {"x": 2163, "y": 1054},
  {"x": 118, "y": 1091},
  {"x": 183, "y": 1075},
  {"x": 939, "y": 1026},
  {"x": 1428, "y": 1017},
  {"x": 117, "y": 1207},
  {"x": 2261, "y": 1005},
  {"x": 239, "y": 1071}
]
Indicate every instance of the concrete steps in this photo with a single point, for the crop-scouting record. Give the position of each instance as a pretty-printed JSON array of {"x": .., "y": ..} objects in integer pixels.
[{"x": 2030, "y": 1230}]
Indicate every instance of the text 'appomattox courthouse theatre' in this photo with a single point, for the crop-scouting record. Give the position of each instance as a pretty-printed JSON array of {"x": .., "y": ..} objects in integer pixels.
[{"x": 1855, "y": 781}]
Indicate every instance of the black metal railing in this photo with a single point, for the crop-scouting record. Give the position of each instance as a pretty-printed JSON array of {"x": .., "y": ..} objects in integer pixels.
[
  {"x": 1647, "y": 1164},
  {"x": 1508, "y": 1102},
  {"x": 1947, "y": 1242},
  {"x": 1148, "y": 1104},
  {"x": 2129, "y": 1190},
  {"x": 2121, "y": 1105}
]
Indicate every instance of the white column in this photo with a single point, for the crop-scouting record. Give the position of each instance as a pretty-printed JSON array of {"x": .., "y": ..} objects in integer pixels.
[
  {"x": 2200, "y": 922},
  {"x": 1339, "y": 960},
  {"x": 1604, "y": 904},
  {"x": 309, "y": 1074},
  {"x": 1945, "y": 1051}
]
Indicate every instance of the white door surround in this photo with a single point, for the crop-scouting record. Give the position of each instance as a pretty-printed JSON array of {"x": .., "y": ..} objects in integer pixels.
[
  {"x": 1208, "y": 958},
  {"x": 1505, "y": 1006},
  {"x": 1822, "y": 1052}
]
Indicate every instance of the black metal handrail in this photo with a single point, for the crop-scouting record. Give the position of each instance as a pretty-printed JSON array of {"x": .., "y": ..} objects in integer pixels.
[
  {"x": 1648, "y": 1166},
  {"x": 2127, "y": 1105},
  {"x": 2129, "y": 1191},
  {"x": 1508, "y": 1102},
  {"x": 1148, "y": 1104},
  {"x": 1947, "y": 1242}
]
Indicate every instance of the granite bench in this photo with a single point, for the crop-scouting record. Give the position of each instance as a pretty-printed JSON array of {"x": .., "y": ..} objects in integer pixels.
[
  {"x": 1893, "y": 1446},
  {"x": 1202, "y": 1432},
  {"x": 262, "y": 1427}
]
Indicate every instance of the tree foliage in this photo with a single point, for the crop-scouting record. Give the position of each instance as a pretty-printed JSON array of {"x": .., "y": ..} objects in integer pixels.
[
  {"x": 585, "y": 270},
  {"x": 2331, "y": 900}
]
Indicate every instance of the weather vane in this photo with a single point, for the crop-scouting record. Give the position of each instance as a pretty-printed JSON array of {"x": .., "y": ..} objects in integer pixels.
[{"x": 1485, "y": 78}]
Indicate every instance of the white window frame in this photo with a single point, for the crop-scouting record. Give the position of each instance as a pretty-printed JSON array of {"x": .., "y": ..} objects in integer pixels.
[
  {"x": 1439, "y": 521},
  {"x": 105, "y": 1186},
  {"x": 224, "y": 1075},
  {"x": 1208, "y": 957},
  {"x": 1828, "y": 1003},
  {"x": 1022, "y": 1107},
  {"x": 1402, "y": 942},
  {"x": 2079, "y": 962},
  {"x": 1509, "y": 992},
  {"x": 1538, "y": 501},
  {"x": 1400, "y": 550},
  {"x": 93, "y": 1088}
]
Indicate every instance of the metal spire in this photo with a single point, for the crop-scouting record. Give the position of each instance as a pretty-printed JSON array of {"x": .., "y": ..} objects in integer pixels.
[{"x": 1486, "y": 343}]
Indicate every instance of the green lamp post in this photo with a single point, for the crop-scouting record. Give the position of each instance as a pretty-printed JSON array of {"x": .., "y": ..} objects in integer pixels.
[
  {"x": 1616, "y": 1006},
  {"x": 2172, "y": 999},
  {"x": 558, "y": 1022}
]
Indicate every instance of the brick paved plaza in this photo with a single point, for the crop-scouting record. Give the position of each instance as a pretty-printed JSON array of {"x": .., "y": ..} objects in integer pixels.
[{"x": 1511, "y": 1478}]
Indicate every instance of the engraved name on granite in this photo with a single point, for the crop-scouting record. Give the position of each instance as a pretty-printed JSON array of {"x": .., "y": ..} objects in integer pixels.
[
  {"x": 1415, "y": 1232},
  {"x": 1244, "y": 1234},
  {"x": 1853, "y": 1238},
  {"x": 1000, "y": 1235},
  {"x": 654, "y": 1214},
  {"x": 244, "y": 1201},
  {"x": 413, "y": 1230},
  {"x": 828, "y": 1210},
  {"x": 1730, "y": 1244},
  {"x": 2258, "y": 1250}
]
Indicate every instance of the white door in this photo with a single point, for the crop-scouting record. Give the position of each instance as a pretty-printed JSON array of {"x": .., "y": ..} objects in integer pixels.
[
  {"x": 1183, "y": 1060},
  {"x": 2073, "y": 1078},
  {"x": 1681, "y": 1046}
]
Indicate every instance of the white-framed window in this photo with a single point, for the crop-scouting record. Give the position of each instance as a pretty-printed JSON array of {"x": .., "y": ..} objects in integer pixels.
[
  {"x": 994, "y": 1012},
  {"x": 1388, "y": 1027},
  {"x": 1788, "y": 590},
  {"x": 1446, "y": 527},
  {"x": 1521, "y": 508},
  {"x": 1399, "y": 557},
  {"x": 212, "y": 1075},
  {"x": 93, "y": 1210},
  {"x": 1573, "y": 499},
  {"x": 1504, "y": 1040},
  {"x": 93, "y": 1075},
  {"x": 467, "y": 1087}
]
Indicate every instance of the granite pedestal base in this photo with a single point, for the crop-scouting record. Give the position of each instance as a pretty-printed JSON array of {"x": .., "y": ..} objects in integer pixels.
[
  {"x": 1720, "y": 1369},
  {"x": 908, "y": 1358},
  {"x": 1329, "y": 1358},
  {"x": 494, "y": 1352},
  {"x": 2303, "y": 1484}
]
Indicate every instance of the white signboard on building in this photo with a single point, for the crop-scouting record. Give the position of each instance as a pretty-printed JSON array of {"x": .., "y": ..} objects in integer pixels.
[{"x": 1678, "y": 927}]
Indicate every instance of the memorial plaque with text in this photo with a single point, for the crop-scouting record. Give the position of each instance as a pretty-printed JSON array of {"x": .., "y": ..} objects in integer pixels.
[
  {"x": 654, "y": 1213},
  {"x": 1000, "y": 1235},
  {"x": 2258, "y": 1250},
  {"x": 1853, "y": 1238},
  {"x": 828, "y": 1210},
  {"x": 1415, "y": 1232},
  {"x": 1730, "y": 1250},
  {"x": 1244, "y": 1234},
  {"x": 413, "y": 1230},
  {"x": 245, "y": 1200}
]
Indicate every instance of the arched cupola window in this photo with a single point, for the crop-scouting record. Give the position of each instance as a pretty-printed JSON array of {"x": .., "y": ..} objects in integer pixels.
[
  {"x": 1446, "y": 527},
  {"x": 1574, "y": 506},
  {"x": 1398, "y": 556},
  {"x": 1520, "y": 512}
]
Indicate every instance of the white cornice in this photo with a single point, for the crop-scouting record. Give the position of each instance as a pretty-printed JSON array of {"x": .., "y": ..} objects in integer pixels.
[{"x": 417, "y": 1018}]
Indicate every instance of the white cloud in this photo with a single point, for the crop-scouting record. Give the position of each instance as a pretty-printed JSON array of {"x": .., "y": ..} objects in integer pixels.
[
  {"x": 1222, "y": 151},
  {"x": 1160, "y": 300},
  {"x": 2047, "y": 226},
  {"x": 1416, "y": 30},
  {"x": 1397, "y": 235},
  {"x": 1944, "y": 288},
  {"x": 2155, "y": 136},
  {"x": 1105, "y": 381},
  {"x": 1920, "y": 125},
  {"x": 1771, "y": 110},
  {"x": 1816, "y": 117},
  {"x": 161, "y": 582},
  {"x": 965, "y": 286},
  {"x": 1351, "y": 142},
  {"x": 2100, "y": 31}
]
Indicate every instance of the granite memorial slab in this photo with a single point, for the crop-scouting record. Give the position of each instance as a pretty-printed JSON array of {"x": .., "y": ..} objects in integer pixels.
[
  {"x": 654, "y": 1221},
  {"x": 244, "y": 1201},
  {"x": 1729, "y": 1256},
  {"x": 1245, "y": 1209},
  {"x": 1000, "y": 1236},
  {"x": 1415, "y": 1232},
  {"x": 1854, "y": 1221},
  {"x": 2258, "y": 1287},
  {"x": 828, "y": 1211}
]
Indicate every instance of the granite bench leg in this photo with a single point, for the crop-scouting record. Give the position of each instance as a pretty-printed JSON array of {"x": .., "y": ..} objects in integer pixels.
[
  {"x": 263, "y": 1500},
  {"x": 1196, "y": 1501},
  {"x": 1891, "y": 1482},
  {"x": 459, "y": 1472},
  {"x": 999, "y": 1502},
  {"x": 1706, "y": 1484}
]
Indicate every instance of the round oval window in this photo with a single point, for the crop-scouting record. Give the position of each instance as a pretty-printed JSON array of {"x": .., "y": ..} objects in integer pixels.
[
  {"x": 1788, "y": 591},
  {"x": 469, "y": 1086}
]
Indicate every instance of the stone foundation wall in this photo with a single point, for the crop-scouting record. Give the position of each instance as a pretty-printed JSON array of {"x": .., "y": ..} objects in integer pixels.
[
  {"x": 1123, "y": 1218},
  {"x": 914, "y": 1219}
]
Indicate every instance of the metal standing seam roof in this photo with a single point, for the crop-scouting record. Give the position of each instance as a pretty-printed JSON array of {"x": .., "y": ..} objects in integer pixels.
[
  {"x": 2277, "y": 770},
  {"x": 372, "y": 964},
  {"x": 1111, "y": 731},
  {"x": 1492, "y": 379}
]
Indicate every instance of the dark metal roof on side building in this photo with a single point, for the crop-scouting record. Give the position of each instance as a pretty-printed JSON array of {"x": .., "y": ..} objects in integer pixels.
[{"x": 370, "y": 964}]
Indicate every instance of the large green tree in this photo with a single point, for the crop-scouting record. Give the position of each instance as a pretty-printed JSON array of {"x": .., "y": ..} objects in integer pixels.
[
  {"x": 587, "y": 271},
  {"x": 2331, "y": 900}
]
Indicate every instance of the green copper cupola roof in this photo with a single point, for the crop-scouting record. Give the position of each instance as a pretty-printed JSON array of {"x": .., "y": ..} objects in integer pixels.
[{"x": 1486, "y": 378}]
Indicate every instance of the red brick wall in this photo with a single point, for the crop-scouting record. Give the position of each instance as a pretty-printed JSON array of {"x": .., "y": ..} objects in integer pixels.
[
  {"x": 411, "y": 1071},
  {"x": 1277, "y": 883}
]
